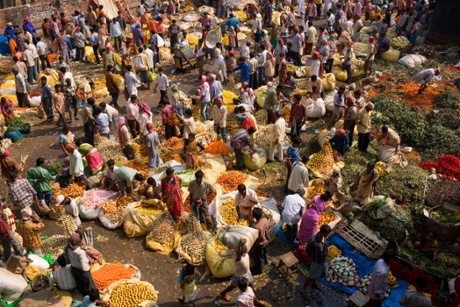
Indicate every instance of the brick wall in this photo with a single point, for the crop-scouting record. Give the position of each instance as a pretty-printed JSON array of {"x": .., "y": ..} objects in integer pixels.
[{"x": 39, "y": 10}]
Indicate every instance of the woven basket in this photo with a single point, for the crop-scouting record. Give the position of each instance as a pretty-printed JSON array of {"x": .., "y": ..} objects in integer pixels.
[
  {"x": 362, "y": 238},
  {"x": 213, "y": 37}
]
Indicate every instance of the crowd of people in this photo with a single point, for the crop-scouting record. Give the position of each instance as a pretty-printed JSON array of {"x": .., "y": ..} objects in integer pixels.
[{"x": 317, "y": 29}]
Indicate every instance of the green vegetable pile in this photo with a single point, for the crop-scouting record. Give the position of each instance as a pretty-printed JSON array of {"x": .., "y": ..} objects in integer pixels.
[
  {"x": 434, "y": 134},
  {"x": 15, "y": 123}
]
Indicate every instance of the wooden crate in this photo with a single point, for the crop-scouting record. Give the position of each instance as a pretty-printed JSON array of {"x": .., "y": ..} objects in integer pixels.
[{"x": 362, "y": 238}]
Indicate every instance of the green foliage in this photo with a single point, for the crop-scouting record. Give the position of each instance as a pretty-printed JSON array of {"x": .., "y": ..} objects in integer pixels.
[
  {"x": 445, "y": 117},
  {"x": 439, "y": 140},
  {"x": 404, "y": 185},
  {"x": 447, "y": 99},
  {"x": 409, "y": 122},
  {"x": 15, "y": 123}
]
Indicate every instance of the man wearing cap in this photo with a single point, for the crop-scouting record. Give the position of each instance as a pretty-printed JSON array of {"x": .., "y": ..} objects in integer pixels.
[
  {"x": 298, "y": 180},
  {"x": 9, "y": 31},
  {"x": 70, "y": 207},
  {"x": 293, "y": 206},
  {"x": 21, "y": 88},
  {"x": 76, "y": 167},
  {"x": 152, "y": 142},
  {"x": 363, "y": 123},
  {"x": 27, "y": 26},
  {"x": 29, "y": 229},
  {"x": 40, "y": 179},
  {"x": 22, "y": 192}
]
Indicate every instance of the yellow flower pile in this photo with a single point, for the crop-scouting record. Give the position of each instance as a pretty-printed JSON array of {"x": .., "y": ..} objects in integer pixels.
[
  {"x": 332, "y": 252},
  {"x": 229, "y": 214}
]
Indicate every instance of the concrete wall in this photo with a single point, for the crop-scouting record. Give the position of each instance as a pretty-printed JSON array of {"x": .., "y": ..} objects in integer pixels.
[{"x": 39, "y": 10}]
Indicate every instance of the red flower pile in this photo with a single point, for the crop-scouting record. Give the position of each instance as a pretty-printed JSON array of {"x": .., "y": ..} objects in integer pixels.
[
  {"x": 447, "y": 165},
  {"x": 410, "y": 276}
]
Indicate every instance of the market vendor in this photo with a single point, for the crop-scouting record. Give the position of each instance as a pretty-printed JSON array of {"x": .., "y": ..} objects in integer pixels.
[
  {"x": 200, "y": 190},
  {"x": 293, "y": 206},
  {"x": 425, "y": 76},
  {"x": 9, "y": 166},
  {"x": 125, "y": 139},
  {"x": 40, "y": 178},
  {"x": 334, "y": 183},
  {"x": 367, "y": 180},
  {"x": 340, "y": 144},
  {"x": 239, "y": 141},
  {"x": 29, "y": 228},
  {"x": 152, "y": 142},
  {"x": 108, "y": 180},
  {"x": 127, "y": 178},
  {"x": 7, "y": 108},
  {"x": 245, "y": 200},
  {"x": 65, "y": 138},
  {"x": 389, "y": 146},
  {"x": 428, "y": 245},
  {"x": 150, "y": 189},
  {"x": 171, "y": 192},
  {"x": 310, "y": 219},
  {"x": 76, "y": 167},
  {"x": 70, "y": 207},
  {"x": 92, "y": 156},
  {"x": 192, "y": 148}
]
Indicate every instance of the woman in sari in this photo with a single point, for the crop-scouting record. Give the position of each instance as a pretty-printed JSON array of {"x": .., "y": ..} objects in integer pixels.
[
  {"x": 179, "y": 100},
  {"x": 144, "y": 118},
  {"x": 192, "y": 147},
  {"x": 310, "y": 220},
  {"x": 7, "y": 109},
  {"x": 170, "y": 189},
  {"x": 367, "y": 179},
  {"x": 92, "y": 156},
  {"x": 232, "y": 37},
  {"x": 124, "y": 137},
  {"x": 66, "y": 138}
]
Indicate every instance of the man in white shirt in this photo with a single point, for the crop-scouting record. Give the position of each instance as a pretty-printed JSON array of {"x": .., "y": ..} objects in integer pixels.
[
  {"x": 76, "y": 167},
  {"x": 357, "y": 30},
  {"x": 279, "y": 134},
  {"x": 150, "y": 57},
  {"x": 311, "y": 38},
  {"x": 108, "y": 180},
  {"x": 219, "y": 112},
  {"x": 28, "y": 58},
  {"x": 261, "y": 59},
  {"x": 293, "y": 206},
  {"x": 131, "y": 82},
  {"x": 113, "y": 116},
  {"x": 245, "y": 200},
  {"x": 163, "y": 84},
  {"x": 339, "y": 107},
  {"x": 245, "y": 51},
  {"x": 117, "y": 33},
  {"x": 41, "y": 49},
  {"x": 379, "y": 278},
  {"x": 219, "y": 68},
  {"x": 299, "y": 176}
]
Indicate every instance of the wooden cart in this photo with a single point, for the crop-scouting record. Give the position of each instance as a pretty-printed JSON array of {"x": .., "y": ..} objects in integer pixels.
[{"x": 184, "y": 58}]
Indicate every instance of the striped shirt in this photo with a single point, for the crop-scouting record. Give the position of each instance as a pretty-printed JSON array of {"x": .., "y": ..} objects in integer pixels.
[
  {"x": 293, "y": 154},
  {"x": 240, "y": 139}
]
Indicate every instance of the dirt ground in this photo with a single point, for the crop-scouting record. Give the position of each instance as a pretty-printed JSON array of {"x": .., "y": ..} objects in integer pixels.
[{"x": 162, "y": 271}]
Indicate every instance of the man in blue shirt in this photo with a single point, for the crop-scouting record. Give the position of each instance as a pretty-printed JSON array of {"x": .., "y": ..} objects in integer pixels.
[
  {"x": 9, "y": 31},
  {"x": 245, "y": 74},
  {"x": 292, "y": 156},
  {"x": 233, "y": 22},
  {"x": 94, "y": 41}
]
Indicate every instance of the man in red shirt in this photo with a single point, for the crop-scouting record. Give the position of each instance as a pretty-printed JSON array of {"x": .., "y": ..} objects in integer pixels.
[
  {"x": 298, "y": 116},
  {"x": 8, "y": 239}
]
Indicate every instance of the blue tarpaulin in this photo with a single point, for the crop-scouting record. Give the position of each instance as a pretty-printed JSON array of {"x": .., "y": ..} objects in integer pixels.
[
  {"x": 364, "y": 266},
  {"x": 4, "y": 47}
]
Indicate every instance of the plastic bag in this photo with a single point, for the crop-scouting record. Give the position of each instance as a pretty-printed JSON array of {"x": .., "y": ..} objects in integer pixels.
[
  {"x": 329, "y": 101},
  {"x": 13, "y": 135},
  {"x": 91, "y": 202},
  {"x": 152, "y": 76},
  {"x": 39, "y": 262},
  {"x": 255, "y": 160},
  {"x": 316, "y": 109}
]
